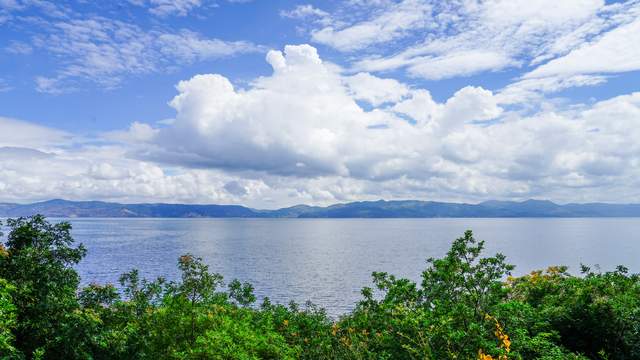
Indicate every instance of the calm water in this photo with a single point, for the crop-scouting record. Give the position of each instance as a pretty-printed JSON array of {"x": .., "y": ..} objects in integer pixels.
[{"x": 328, "y": 261}]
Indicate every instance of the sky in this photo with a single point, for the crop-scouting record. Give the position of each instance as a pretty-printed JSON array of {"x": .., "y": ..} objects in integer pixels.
[{"x": 273, "y": 103}]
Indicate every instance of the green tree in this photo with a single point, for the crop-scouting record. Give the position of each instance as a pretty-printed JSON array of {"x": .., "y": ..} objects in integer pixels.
[
  {"x": 7, "y": 318},
  {"x": 461, "y": 289},
  {"x": 597, "y": 314},
  {"x": 444, "y": 318},
  {"x": 39, "y": 264}
]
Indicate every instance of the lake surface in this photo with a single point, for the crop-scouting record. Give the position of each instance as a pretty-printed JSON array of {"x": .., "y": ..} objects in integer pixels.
[{"x": 328, "y": 261}]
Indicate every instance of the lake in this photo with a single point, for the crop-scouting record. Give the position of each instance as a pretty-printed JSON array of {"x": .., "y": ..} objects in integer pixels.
[{"x": 328, "y": 261}]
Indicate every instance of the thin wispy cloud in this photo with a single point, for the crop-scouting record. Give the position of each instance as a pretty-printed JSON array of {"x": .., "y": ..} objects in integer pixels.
[
  {"x": 389, "y": 24},
  {"x": 165, "y": 8},
  {"x": 439, "y": 40},
  {"x": 4, "y": 86},
  {"x": 588, "y": 57},
  {"x": 489, "y": 36},
  {"x": 105, "y": 51}
]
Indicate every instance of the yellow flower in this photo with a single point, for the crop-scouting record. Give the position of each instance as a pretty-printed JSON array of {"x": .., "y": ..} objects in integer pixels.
[
  {"x": 505, "y": 343},
  {"x": 483, "y": 356},
  {"x": 285, "y": 322}
]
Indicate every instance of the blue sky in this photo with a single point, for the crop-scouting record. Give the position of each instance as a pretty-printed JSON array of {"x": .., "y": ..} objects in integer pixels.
[{"x": 274, "y": 103}]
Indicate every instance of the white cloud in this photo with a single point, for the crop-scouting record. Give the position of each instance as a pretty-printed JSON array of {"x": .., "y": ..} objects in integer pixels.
[
  {"x": 305, "y": 12},
  {"x": 393, "y": 23},
  {"x": 106, "y": 171},
  {"x": 303, "y": 124},
  {"x": 608, "y": 18},
  {"x": 458, "y": 64},
  {"x": 87, "y": 174},
  {"x": 19, "y": 48},
  {"x": 50, "y": 8},
  {"x": 533, "y": 15},
  {"x": 52, "y": 85},
  {"x": 467, "y": 38},
  {"x": 440, "y": 40},
  {"x": 188, "y": 46},
  {"x": 252, "y": 122},
  {"x": 532, "y": 91},
  {"x": 104, "y": 51},
  {"x": 374, "y": 90},
  {"x": 16, "y": 133},
  {"x": 420, "y": 107},
  {"x": 169, "y": 7},
  {"x": 466, "y": 105},
  {"x": 472, "y": 103},
  {"x": 4, "y": 86},
  {"x": 40, "y": 163},
  {"x": 303, "y": 121},
  {"x": 299, "y": 135},
  {"x": 611, "y": 53}
]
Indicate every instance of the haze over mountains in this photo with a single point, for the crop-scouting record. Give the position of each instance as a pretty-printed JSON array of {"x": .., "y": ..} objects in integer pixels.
[{"x": 364, "y": 209}]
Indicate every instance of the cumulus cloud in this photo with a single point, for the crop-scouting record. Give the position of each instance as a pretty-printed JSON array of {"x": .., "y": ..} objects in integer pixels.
[
  {"x": 311, "y": 133},
  {"x": 374, "y": 90},
  {"x": 293, "y": 122},
  {"x": 106, "y": 172},
  {"x": 303, "y": 123},
  {"x": 235, "y": 188},
  {"x": 583, "y": 150}
]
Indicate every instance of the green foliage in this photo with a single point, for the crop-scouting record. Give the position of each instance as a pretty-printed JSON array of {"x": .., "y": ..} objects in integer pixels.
[
  {"x": 39, "y": 264},
  {"x": 597, "y": 314},
  {"x": 465, "y": 307},
  {"x": 7, "y": 318}
]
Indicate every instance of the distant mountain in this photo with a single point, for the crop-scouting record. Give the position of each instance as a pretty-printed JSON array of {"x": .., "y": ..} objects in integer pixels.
[
  {"x": 64, "y": 208},
  {"x": 363, "y": 209}
]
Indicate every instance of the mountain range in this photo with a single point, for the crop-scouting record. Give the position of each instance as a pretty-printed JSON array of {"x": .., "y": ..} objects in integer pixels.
[{"x": 362, "y": 209}]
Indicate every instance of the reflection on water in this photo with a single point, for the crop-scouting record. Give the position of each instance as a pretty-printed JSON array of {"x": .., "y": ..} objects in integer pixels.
[{"x": 328, "y": 261}]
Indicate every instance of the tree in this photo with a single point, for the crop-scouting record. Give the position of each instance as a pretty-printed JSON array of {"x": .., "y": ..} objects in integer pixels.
[
  {"x": 39, "y": 263},
  {"x": 7, "y": 318},
  {"x": 462, "y": 289},
  {"x": 198, "y": 287}
]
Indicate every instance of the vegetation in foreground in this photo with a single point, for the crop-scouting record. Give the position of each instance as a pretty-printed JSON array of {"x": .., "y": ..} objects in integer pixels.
[{"x": 462, "y": 309}]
